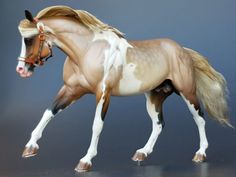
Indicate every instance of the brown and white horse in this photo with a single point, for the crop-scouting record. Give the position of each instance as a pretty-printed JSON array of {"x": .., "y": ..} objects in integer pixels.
[{"x": 101, "y": 61}]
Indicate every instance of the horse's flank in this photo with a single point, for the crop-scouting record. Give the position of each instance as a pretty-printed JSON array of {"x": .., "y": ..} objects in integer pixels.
[{"x": 153, "y": 62}]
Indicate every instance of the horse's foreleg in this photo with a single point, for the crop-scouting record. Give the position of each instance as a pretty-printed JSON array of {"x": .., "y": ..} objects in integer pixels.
[
  {"x": 102, "y": 99},
  {"x": 154, "y": 108},
  {"x": 63, "y": 99}
]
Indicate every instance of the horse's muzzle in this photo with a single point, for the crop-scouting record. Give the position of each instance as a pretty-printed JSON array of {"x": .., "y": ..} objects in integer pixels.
[{"x": 23, "y": 71}]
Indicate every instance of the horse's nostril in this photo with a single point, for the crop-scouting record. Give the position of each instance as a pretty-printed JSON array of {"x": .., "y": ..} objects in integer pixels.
[{"x": 19, "y": 69}]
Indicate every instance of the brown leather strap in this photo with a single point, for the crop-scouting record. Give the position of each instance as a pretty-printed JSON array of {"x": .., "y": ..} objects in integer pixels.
[{"x": 37, "y": 60}]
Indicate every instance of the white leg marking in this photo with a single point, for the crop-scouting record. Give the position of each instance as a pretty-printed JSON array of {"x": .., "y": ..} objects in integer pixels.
[
  {"x": 37, "y": 133},
  {"x": 156, "y": 127},
  {"x": 97, "y": 129},
  {"x": 201, "y": 127}
]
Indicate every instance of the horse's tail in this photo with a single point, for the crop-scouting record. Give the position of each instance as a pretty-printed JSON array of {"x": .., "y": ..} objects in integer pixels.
[{"x": 211, "y": 88}]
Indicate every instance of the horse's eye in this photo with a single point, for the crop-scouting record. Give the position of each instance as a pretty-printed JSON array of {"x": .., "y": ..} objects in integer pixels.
[{"x": 28, "y": 41}]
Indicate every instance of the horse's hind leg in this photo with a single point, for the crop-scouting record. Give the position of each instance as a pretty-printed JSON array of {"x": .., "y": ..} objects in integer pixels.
[
  {"x": 194, "y": 108},
  {"x": 154, "y": 98},
  {"x": 64, "y": 98}
]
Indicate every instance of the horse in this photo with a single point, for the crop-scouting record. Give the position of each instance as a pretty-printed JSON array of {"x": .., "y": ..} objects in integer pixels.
[{"x": 102, "y": 62}]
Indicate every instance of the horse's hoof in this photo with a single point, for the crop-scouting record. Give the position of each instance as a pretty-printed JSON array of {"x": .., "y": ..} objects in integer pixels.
[
  {"x": 83, "y": 167},
  {"x": 198, "y": 158},
  {"x": 139, "y": 157},
  {"x": 29, "y": 152}
]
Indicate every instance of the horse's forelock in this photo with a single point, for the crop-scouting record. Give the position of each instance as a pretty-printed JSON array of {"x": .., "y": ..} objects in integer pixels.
[
  {"x": 27, "y": 28},
  {"x": 26, "y": 24}
]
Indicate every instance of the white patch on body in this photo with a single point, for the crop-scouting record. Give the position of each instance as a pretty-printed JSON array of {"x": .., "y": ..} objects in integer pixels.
[
  {"x": 156, "y": 127},
  {"x": 115, "y": 55},
  {"x": 201, "y": 126},
  {"x": 129, "y": 84},
  {"x": 37, "y": 133},
  {"x": 118, "y": 46}
]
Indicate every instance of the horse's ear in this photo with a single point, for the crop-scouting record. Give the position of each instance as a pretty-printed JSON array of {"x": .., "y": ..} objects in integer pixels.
[{"x": 29, "y": 16}]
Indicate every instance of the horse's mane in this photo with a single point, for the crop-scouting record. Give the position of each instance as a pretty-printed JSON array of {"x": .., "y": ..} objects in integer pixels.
[{"x": 83, "y": 17}]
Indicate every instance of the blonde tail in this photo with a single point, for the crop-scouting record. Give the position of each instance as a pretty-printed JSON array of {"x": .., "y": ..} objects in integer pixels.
[{"x": 211, "y": 88}]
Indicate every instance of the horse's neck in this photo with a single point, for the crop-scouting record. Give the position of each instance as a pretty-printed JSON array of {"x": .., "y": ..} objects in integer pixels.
[
  {"x": 71, "y": 37},
  {"x": 73, "y": 45},
  {"x": 76, "y": 41}
]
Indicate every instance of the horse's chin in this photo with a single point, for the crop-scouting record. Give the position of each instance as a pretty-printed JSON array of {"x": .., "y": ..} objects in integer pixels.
[
  {"x": 25, "y": 70},
  {"x": 26, "y": 74}
]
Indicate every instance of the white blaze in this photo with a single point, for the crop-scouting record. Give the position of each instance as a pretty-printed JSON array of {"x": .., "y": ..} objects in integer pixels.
[
  {"x": 21, "y": 64},
  {"x": 23, "y": 48}
]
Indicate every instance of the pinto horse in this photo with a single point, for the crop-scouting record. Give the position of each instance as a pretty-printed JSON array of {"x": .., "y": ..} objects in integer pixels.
[{"x": 102, "y": 62}]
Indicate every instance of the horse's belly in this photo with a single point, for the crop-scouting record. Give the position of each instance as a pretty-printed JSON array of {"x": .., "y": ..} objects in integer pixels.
[{"x": 136, "y": 80}]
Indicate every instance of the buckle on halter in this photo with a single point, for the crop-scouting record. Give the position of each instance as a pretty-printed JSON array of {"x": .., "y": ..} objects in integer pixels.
[{"x": 41, "y": 37}]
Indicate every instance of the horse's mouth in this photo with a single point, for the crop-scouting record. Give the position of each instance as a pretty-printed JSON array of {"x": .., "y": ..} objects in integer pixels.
[
  {"x": 26, "y": 71},
  {"x": 26, "y": 74}
]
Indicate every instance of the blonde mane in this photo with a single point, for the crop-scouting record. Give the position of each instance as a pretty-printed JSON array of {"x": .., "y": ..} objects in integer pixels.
[{"x": 81, "y": 16}]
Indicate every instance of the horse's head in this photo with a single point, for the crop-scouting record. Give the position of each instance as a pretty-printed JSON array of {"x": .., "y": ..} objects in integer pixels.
[{"x": 35, "y": 49}]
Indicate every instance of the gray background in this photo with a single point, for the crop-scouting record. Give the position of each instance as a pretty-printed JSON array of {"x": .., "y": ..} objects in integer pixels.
[{"x": 206, "y": 26}]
